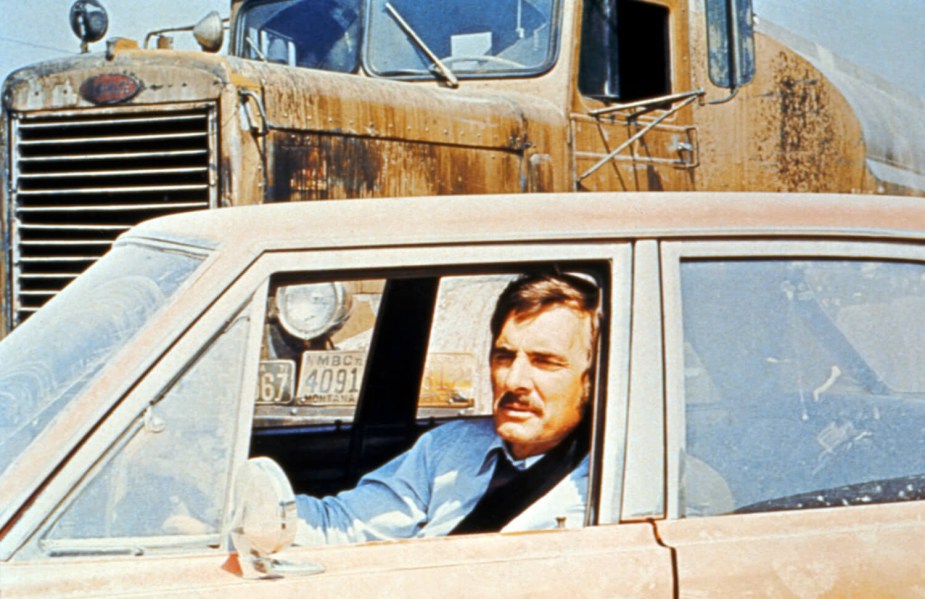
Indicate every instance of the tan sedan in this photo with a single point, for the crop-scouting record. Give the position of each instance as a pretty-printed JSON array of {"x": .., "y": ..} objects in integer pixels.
[{"x": 759, "y": 408}]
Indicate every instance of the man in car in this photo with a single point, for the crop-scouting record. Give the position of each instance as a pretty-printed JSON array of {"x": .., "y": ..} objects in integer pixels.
[{"x": 527, "y": 468}]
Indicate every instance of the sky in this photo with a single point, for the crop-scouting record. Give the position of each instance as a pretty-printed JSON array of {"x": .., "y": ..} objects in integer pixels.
[{"x": 883, "y": 36}]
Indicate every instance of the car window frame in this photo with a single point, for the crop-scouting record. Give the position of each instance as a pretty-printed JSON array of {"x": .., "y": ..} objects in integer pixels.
[
  {"x": 644, "y": 480},
  {"x": 673, "y": 253},
  {"x": 607, "y": 455},
  {"x": 248, "y": 289},
  {"x": 115, "y": 430}
]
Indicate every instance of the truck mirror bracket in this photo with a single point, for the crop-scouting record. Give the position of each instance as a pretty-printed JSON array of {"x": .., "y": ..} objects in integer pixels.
[{"x": 684, "y": 99}]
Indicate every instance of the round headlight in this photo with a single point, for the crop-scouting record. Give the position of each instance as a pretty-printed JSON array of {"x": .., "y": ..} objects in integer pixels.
[{"x": 311, "y": 310}]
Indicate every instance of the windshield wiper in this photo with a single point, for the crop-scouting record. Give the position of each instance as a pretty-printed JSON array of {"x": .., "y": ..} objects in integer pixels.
[
  {"x": 438, "y": 66},
  {"x": 254, "y": 47}
]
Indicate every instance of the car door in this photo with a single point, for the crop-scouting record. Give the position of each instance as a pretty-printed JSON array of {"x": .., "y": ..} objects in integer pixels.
[
  {"x": 795, "y": 417},
  {"x": 466, "y": 285},
  {"x": 163, "y": 465}
]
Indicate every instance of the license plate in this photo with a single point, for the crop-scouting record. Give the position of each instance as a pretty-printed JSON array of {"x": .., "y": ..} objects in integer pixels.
[
  {"x": 330, "y": 378},
  {"x": 276, "y": 381},
  {"x": 333, "y": 378}
]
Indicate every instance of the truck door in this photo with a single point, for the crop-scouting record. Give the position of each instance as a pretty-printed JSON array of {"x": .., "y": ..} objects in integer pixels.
[{"x": 630, "y": 126}]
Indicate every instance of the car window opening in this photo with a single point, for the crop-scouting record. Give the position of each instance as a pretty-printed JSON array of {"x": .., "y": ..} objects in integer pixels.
[{"x": 362, "y": 393}]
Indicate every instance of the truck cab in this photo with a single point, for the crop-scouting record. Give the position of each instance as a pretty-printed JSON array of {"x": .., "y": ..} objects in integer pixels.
[{"x": 336, "y": 99}]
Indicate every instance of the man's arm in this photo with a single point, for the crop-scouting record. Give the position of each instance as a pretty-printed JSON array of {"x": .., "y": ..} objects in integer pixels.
[
  {"x": 426, "y": 491},
  {"x": 390, "y": 502}
]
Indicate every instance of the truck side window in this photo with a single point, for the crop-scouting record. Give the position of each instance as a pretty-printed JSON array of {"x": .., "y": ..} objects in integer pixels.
[
  {"x": 625, "y": 50},
  {"x": 315, "y": 34}
]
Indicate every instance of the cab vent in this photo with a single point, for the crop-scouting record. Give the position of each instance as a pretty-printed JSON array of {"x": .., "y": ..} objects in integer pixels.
[{"x": 81, "y": 179}]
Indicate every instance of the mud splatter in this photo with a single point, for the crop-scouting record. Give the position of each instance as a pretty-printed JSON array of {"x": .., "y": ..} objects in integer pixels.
[{"x": 806, "y": 152}]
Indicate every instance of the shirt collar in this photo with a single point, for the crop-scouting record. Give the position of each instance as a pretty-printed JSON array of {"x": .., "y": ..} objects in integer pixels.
[{"x": 498, "y": 449}]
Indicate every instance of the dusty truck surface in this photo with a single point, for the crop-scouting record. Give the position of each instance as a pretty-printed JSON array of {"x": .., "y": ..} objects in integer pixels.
[{"x": 333, "y": 99}]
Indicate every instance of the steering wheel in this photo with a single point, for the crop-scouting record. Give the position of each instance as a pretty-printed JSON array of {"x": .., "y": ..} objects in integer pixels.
[{"x": 486, "y": 58}]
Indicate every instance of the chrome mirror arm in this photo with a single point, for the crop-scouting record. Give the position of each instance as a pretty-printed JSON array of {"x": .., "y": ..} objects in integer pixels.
[{"x": 684, "y": 99}]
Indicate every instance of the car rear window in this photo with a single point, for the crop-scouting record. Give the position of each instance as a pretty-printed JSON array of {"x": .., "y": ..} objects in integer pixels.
[{"x": 804, "y": 384}]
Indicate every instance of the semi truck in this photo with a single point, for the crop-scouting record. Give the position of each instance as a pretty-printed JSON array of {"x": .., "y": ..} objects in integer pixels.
[{"x": 304, "y": 100}]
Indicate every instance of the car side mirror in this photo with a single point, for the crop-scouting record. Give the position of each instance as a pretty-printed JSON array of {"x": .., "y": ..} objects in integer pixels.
[
  {"x": 265, "y": 521},
  {"x": 730, "y": 42}
]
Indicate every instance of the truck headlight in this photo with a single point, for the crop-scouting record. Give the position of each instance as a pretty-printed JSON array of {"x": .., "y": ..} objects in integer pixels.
[{"x": 311, "y": 310}]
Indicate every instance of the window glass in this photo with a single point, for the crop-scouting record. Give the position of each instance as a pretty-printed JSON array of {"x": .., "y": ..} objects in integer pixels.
[
  {"x": 804, "y": 384},
  {"x": 316, "y": 34},
  {"x": 471, "y": 37},
  {"x": 58, "y": 352},
  {"x": 171, "y": 475}
]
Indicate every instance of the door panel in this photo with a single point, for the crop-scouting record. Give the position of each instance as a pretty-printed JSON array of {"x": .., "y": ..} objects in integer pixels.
[
  {"x": 860, "y": 551},
  {"x": 795, "y": 389},
  {"x": 609, "y": 561}
]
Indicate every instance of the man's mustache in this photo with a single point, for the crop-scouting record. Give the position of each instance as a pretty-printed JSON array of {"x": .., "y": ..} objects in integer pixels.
[{"x": 521, "y": 401}]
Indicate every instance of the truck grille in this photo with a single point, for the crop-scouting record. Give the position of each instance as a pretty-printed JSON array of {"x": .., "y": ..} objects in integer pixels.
[{"x": 79, "y": 179}]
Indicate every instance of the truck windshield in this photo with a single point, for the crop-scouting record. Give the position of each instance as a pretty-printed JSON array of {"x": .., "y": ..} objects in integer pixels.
[
  {"x": 403, "y": 38},
  {"x": 49, "y": 360}
]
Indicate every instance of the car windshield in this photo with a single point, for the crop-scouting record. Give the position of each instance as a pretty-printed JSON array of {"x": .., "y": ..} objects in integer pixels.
[
  {"x": 61, "y": 349},
  {"x": 403, "y": 38}
]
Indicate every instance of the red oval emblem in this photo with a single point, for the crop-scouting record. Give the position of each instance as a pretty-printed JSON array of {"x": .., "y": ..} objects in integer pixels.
[{"x": 109, "y": 89}]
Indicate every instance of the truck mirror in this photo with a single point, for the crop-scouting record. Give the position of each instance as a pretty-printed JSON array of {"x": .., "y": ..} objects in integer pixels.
[
  {"x": 265, "y": 520},
  {"x": 210, "y": 32},
  {"x": 730, "y": 42}
]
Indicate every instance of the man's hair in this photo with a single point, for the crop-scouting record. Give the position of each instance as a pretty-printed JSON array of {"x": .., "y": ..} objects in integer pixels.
[{"x": 530, "y": 294}]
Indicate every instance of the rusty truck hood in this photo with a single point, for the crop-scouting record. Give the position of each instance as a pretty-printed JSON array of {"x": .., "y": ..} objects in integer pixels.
[{"x": 297, "y": 99}]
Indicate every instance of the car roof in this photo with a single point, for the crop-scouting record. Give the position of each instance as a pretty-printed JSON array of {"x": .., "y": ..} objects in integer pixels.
[{"x": 536, "y": 217}]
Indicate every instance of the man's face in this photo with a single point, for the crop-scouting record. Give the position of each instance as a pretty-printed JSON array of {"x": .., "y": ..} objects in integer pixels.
[{"x": 539, "y": 378}]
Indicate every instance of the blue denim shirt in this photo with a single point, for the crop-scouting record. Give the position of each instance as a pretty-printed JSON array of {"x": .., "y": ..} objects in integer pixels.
[{"x": 429, "y": 489}]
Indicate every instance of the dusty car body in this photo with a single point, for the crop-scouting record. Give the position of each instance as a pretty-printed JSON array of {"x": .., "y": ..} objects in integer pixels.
[{"x": 759, "y": 406}]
